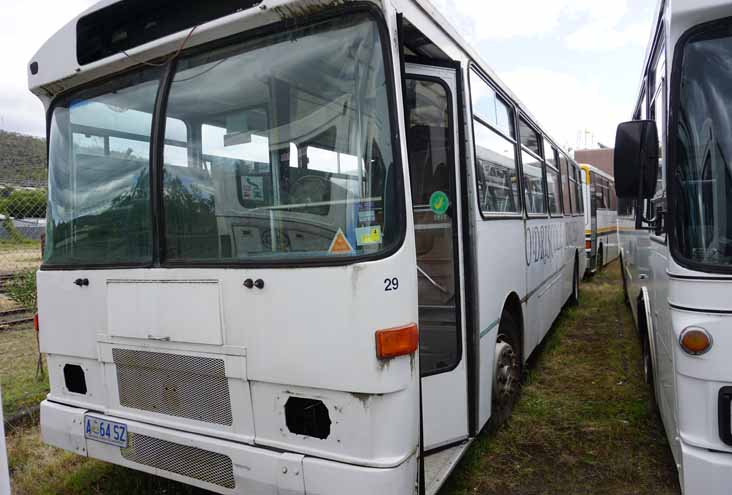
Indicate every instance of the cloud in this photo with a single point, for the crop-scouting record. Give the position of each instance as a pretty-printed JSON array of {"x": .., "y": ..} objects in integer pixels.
[
  {"x": 583, "y": 24},
  {"x": 567, "y": 105},
  {"x": 27, "y": 25},
  {"x": 603, "y": 36},
  {"x": 569, "y": 101}
]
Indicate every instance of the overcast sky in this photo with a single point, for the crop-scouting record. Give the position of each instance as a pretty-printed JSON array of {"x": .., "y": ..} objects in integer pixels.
[{"x": 575, "y": 63}]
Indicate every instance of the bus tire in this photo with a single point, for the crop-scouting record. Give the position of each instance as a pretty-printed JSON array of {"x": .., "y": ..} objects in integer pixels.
[
  {"x": 574, "y": 296},
  {"x": 508, "y": 368},
  {"x": 600, "y": 258}
]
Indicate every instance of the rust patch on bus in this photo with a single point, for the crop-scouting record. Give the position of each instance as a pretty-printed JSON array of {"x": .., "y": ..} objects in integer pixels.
[{"x": 364, "y": 399}]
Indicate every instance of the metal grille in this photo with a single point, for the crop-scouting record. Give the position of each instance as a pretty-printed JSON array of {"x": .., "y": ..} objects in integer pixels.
[
  {"x": 185, "y": 460},
  {"x": 183, "y": 386}
]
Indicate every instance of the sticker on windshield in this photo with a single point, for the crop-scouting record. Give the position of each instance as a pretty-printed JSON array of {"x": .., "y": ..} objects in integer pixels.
[
  {"x": 368, "y": 236},
  {"x": 340, "y": 244},
  {"x": 439, "y": 203},
  {"x": 366, "y": 212},
  {"x": 366, "y": 216}
]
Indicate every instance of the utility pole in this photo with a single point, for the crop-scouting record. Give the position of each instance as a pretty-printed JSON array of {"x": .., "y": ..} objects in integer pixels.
[{"x": 4, "y": 473}]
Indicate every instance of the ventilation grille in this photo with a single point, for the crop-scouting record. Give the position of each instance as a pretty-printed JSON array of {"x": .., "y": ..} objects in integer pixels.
[
  {"x": 183, "y": 386},
  {"x": 192, "y": 462}
]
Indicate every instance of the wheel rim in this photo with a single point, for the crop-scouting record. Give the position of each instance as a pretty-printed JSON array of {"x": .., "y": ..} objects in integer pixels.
[{"x": 506, "y": 381}]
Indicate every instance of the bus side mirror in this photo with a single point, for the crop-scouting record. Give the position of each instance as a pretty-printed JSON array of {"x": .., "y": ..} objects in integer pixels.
[{"x": 636, "y": 159}]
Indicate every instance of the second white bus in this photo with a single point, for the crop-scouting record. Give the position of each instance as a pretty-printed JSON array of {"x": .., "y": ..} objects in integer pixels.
[{"x": 674, "y": 182}]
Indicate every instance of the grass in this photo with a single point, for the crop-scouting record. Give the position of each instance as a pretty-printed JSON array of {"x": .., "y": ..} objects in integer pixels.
[
  {"x": 586, "y": 422},
  {"x": 17, "y": 256},
  {"x": 38, "y": 469},
  {"x": 6, "y": 244},
  {"x": 20, "y": 386}
]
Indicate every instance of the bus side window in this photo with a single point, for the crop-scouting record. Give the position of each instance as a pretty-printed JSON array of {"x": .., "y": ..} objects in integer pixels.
[
  {"x": 560, "y": 178},
  {"x": 566, "y": 185},
  {"x": 613, "y": 196},
  {"x": 495, "y": 150},
  {"x": 572, "y": 184},
  {"x": 579, "y": 206},
  {"x": 533, "y": 169},
  {"x": 495, "y": 158},
  {"x": 553, "y": 190},
  {"x": 580, "y": 196}
]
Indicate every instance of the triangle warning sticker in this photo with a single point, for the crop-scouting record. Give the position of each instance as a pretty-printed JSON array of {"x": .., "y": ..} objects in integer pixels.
[{"x": 340, "y": 244}]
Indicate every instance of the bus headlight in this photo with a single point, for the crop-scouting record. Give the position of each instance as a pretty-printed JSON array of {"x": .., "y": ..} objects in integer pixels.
[{"x": 695, "y": 341}]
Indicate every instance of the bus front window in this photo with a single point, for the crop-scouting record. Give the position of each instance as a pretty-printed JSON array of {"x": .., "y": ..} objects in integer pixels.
[
  {"x": 703, "y": 179},
  {"x": 289, "y": 150},
  {"x": 99, "y": 180}
]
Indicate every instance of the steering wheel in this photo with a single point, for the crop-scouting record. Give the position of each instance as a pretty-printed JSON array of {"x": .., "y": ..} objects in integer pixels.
[
  {"x": 311, "y": 189},
  {"x": 283, "y": 241}
]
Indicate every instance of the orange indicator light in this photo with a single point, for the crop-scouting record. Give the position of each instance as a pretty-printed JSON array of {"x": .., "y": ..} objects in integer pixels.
[
  {"x": 398, "y": 341},
  {"x": 695, "y": 341}
]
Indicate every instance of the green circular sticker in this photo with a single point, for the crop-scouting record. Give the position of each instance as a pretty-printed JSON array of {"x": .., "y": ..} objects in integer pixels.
[{"x": 439, "y": 203}]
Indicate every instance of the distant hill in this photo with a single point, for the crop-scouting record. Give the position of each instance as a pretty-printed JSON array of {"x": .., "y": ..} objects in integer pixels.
[{"x": 22, "y": 160}]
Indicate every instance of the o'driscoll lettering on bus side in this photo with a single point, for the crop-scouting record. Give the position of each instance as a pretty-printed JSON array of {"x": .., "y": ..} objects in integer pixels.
[{"x": 543, "y": 242}]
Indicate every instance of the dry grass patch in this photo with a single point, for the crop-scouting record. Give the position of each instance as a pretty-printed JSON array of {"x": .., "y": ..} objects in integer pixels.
[
  {"x": 17, "y": 257},
  {"x": 18, "y": 360},
  {"x": 38, "y": 469}
]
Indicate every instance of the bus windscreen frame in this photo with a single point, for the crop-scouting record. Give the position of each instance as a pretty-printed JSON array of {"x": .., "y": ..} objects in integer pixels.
[
  {"x": 394, "y": 186},
  {"x": 721, "y": 28}
]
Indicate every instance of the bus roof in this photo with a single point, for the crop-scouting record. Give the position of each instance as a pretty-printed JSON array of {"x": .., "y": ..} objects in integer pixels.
[
  {"x": 590, "y": 168},
  {"x": 57, "y": 68}
]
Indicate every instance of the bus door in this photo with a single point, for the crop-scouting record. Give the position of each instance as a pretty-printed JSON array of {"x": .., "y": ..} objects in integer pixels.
[{"x": 433, "y": 161}]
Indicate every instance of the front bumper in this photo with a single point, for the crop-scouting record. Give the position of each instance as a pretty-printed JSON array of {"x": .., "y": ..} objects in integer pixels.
[
  {"x": 222, "y": 466},
  {"x": 705, "y": 471}
]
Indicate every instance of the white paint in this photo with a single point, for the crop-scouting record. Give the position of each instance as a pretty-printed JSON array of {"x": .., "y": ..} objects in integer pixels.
[
  {"x": 151, "y": 310},
  {"x": 686, "y": 387},
  {"x": 4, "y": 472},
  {"x": 310, "y": 331}
]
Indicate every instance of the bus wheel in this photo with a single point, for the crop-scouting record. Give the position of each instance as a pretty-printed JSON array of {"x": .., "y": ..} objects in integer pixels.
[
  {"x": 507, "y": 375},
  {"x": 574, "y": 297},
  {"x": 600, "y": 259}
]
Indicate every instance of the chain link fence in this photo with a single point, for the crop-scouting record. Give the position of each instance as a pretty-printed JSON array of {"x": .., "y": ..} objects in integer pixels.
[{"x": 23, "y": 199}]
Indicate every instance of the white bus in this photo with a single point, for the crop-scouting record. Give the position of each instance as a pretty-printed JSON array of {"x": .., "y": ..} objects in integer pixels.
[
  {"x": 293, "y": 246},
  {"x": 601, "y": 227},
  {"x": 676, "y": 233}
]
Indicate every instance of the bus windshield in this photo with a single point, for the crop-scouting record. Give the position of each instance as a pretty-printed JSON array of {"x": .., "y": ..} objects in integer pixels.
[
  {"x": 275, "y": 148},
  {"x": 703, "y": 179}
]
